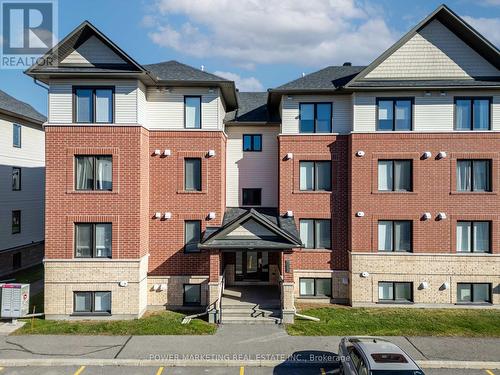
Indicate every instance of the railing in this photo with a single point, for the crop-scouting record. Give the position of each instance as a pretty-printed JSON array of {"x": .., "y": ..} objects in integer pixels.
[{"x": 217, "y": 304}]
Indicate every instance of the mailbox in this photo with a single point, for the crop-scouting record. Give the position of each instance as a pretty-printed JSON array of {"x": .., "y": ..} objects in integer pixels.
[{"x": 14, "y": 300}]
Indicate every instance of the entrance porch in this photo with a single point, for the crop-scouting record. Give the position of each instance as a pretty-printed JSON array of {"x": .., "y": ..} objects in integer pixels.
[{"x": 250, "y": 268}]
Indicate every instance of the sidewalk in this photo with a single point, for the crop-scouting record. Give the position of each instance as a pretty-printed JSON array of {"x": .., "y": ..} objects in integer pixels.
[{"x": 262, "y": 345}]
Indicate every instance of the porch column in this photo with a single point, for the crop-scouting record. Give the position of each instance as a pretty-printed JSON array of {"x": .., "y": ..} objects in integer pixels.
[
  {"x": 287, "y": 288},
  {"x": 214, "y": 285}
]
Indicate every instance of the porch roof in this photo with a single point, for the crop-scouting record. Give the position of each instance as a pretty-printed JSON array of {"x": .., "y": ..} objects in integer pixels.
[{"x": 252, "y": 229}]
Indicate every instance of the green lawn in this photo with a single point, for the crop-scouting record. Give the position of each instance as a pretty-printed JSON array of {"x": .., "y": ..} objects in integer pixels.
[
  {"x": 160, "y": 323},
  {"x": 345, "y": 321}
]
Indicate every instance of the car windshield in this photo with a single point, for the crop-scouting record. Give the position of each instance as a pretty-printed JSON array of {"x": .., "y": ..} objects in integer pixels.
[{"x": 397, "y": 372}]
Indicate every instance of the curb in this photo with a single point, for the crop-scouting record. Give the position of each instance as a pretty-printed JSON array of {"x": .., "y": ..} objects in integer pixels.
[{"x": 54, "y": 362}]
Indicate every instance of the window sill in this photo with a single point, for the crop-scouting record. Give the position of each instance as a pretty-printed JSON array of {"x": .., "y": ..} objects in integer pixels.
[
  {"x": 319, "y": 192},
  {"x": 395, "y": 302},
  {"x": 316, "y": 250},
  {"x": 91, "y": 192},
  {"x": 394, "y": 192},
  {"x": 194, "y": 192},
  {"x": 315, "y": 297},
  {"x": 473, "y": 304},
  {"x": 91, "y": 314},
  {"x": 394, "y": 252},
  {"x": 473, "y": 192}
]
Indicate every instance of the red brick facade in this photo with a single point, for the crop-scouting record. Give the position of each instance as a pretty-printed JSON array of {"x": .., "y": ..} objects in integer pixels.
[
  {"x": 316, "y": 205},
  {"x": 143, "y": 183},
  {"x": 434, "y": 188}
]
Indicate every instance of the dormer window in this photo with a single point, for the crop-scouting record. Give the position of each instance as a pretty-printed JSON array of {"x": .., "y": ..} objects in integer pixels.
[{"x": 93, "y": 105}]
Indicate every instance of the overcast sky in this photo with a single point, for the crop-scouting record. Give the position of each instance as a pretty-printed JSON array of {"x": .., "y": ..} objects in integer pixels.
[{"x": 257, "y": 43}]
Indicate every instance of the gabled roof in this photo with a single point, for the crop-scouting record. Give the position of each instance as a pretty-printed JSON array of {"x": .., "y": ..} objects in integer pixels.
[
  {"x": 165, "y": 73},
  {"x": 283, "y": 231},
  {"x": 454, "y": 23},
  {"x": 71, "y": 42},
  {"x": 16, "y": 108},
  {"x": 252, "y": 108}
]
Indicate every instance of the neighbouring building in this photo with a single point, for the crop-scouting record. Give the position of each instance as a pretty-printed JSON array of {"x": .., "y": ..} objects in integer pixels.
[
  {"x": 363, "y": 185},
  {"x": 22, "y": 185}
]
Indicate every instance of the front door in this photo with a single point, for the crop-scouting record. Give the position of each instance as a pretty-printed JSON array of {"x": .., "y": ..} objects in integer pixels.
[{"x": 252, "y": 266}]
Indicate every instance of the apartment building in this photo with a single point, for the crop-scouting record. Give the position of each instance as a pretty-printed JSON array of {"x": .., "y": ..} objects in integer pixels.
[
  {"x": 22, "y": 185},
  {"x": 364, "y": 185}
]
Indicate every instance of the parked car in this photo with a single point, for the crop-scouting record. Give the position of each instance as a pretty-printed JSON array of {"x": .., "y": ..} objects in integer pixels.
[{"x": 374, "y": 356}]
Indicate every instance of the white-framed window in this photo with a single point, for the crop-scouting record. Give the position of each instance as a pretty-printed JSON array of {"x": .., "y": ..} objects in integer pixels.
[{"x": 93, "y": 172}]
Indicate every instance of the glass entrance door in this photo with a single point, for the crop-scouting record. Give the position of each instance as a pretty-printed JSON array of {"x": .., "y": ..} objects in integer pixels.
[{"x": 252, "y": 265}]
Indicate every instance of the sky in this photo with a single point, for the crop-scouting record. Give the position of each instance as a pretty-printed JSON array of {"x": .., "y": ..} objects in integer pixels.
[{"x": 259, "y": 44}]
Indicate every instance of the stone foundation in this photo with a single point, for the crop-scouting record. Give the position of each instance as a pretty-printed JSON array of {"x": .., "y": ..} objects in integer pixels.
[
  {"x": 340, "y": 285},
  {"x": 127, "y": 302},
  {"x": 171, "y": 295},
  {"x": 435, "y": 269}
]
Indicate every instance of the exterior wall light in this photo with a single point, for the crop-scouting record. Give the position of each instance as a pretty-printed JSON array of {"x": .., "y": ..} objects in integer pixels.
[
  {"x": 360, "y": 153},
  {"x": 426, "y": 155},
  {"x": 157, "y": 152},
  {"x": 157, "y": 215},
  {"x": 424, "y": 285},
  {"x": 360, "y": 214},
  {"x": 365, "y": 274},
  {"x": 167, "y": 215},
  {"x": 441, "y": 155},
  {"x": 167, "y": 152},
  {"x": 289, "y": 214},
  {"x": 211, "y": 153},
  {"x": 211, "y": 215},
  {"x": 289, "y": 156},
  {"x": 441, "y": 216},
  {"x": 427, "y": 216}
]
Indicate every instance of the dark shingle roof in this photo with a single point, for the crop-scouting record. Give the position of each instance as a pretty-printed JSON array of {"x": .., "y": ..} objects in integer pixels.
[
  {"x": 285, "y": 229},
  {"x": 175, "y": 71},
  {"x": 252, "y": 108},
  {"x": 17, "y": 107},
  {"x": 331, "y": 77}
]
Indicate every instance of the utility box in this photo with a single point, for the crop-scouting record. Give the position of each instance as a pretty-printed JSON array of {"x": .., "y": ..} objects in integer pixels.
[{"x": 14, "y": 300}]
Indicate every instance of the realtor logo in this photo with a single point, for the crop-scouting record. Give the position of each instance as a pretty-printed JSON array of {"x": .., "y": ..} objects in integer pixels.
[{"x": 28, "y": 31}]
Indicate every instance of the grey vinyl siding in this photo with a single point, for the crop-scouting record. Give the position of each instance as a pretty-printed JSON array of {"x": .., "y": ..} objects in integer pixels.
[
  {"x": 166, "y": 109},
  {"x": 61, "y": 99},
  {"x": 434, "y": 113}
]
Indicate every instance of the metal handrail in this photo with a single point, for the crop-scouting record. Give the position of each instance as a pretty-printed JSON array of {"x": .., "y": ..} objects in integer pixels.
[{"x": 217, "y": 304}]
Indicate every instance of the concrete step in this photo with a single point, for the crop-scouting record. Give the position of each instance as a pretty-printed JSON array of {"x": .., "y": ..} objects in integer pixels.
[
  {"x": 249, "y": 320},
  {"x": 240, "y": 304}
]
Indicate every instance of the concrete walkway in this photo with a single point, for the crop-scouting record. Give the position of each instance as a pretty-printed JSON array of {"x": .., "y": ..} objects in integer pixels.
[{"x": 231, "y": 344}]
